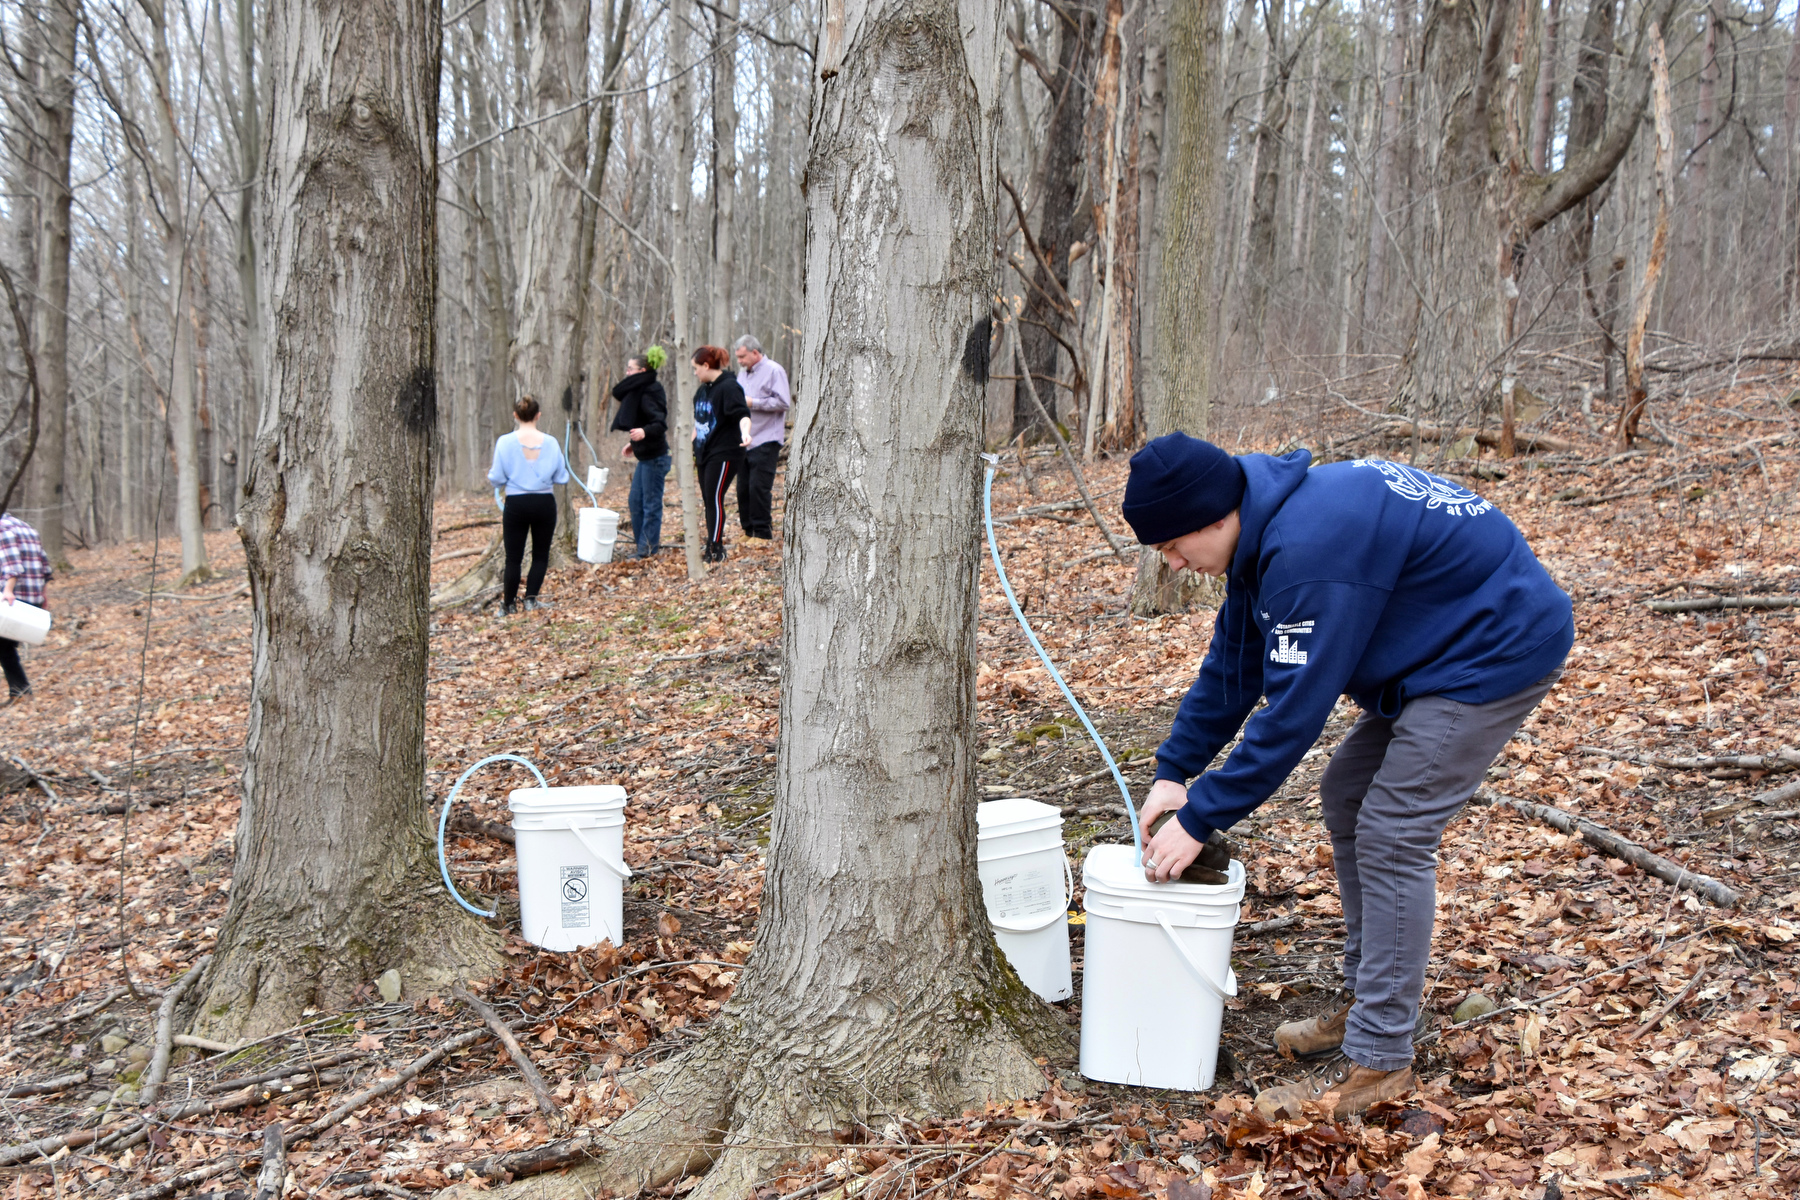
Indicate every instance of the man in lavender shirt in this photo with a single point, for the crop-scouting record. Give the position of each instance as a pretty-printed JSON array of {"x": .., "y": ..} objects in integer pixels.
[{"x": 765, "y": 387}]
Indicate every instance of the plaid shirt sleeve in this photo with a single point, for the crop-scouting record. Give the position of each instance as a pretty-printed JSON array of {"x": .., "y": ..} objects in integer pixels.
[{"x": 22, "y": 560}]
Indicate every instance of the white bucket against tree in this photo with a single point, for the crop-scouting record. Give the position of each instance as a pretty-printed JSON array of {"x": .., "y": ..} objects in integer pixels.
[
  {"x": 1156, "y": 973},
  {"x": 24, "y": 622},
  {"x": 595, "y": 531},
  {"x": 596, "y": 479},
  {"x": 1026, "y": 883},
  {"x": 570, "y": 844}
]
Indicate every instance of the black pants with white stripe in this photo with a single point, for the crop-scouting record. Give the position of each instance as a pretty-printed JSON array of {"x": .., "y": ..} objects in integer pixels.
[{"x": 715, "y": 484}]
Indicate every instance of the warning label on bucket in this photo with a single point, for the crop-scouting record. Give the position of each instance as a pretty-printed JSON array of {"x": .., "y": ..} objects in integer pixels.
[
  {"x": 575, "y": 897},
  {"x": 1024, "y": 894}
]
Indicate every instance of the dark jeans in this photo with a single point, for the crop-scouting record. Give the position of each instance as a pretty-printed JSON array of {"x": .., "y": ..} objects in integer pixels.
[
  {"x": 646, "y": 502},
  {"x": 1387, "y": 794},
  {"x": 15, "y": 671},
  {"x": 715, "y": 482},
  {"x": 755, "y": 487},
  {"x": 534, "y": 514}
]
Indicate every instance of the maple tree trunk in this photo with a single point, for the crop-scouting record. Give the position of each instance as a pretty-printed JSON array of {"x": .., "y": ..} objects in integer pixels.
[
  {"x": 875, "y": 987},
  {"x": 681, "y": 403},
  {"x": 724, "y": 169},
  {"x": 1637, "y": 397},
  {"x": 1543, "y": 103},
  {"x": 55, "y": 104},
  {"x": 335, "y": 879},
  {"x": 1186, "y": 316}
]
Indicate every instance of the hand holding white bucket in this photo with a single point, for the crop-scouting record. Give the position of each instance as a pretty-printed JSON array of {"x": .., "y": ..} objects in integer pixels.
[{"x": 24, "y": 622}]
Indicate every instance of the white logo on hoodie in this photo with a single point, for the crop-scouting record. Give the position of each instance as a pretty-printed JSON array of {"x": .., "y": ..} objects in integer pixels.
[
  {"x": 1415, "y": 484},
  {"x": 1287, "y": 649}
]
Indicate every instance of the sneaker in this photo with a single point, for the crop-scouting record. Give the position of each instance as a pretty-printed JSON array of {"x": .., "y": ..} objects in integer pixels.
[
  {"x": 15, "y": 696},
  {"x": 645, "y": 552},
  {"x": 1314, "y": 1036},
  {"x": 509, "y": 607},
  {"x": 1353, "y": 1088},
  {"x": 715, "y": 553},
  {"x": 532, "y": 604}
]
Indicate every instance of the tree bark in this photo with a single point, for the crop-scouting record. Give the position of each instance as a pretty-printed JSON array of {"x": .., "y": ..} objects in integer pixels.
[
  {"x": 1543, "y": 103},
  {"x": 724, "y": 169},
  {"x": 1062, "y": 214},
  {"x": 875, "y": 987},
  {"x": 1188, "y": 204},
  {"x": 1387, "y": 171},
  {"x": 1152, "y": 109},
  {"x": 55, "y": 104},
  {"x": 335, "y": 879},
  {"x": 681, "y": 405},
  {"x": 1636, "y": 396}
]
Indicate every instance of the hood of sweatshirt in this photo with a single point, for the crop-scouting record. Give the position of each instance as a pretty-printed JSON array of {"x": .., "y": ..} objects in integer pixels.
[
  {"x": 635, "y": 382},
  {"x": 1268, "y": 482}
]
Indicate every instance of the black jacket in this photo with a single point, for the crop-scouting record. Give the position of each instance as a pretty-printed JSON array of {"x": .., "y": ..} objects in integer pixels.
[
  {"x": 643, "y": 405},
  {"x": 723, "y": 400}
]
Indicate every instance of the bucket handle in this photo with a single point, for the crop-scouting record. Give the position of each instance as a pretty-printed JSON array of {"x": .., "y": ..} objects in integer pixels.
[
  {"x": 617, "y": 868},
  {"x": 444, "y": 817},
  {"x": 1230, "y": 987},
  {"x": 1051, "y": 919}
]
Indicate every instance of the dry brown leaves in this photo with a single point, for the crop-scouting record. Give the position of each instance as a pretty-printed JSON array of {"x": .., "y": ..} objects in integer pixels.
[{"x": 1608, "y": 1074}]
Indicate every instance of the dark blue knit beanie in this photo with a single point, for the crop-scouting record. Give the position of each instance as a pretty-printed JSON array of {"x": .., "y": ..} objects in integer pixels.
[{"x": 1179, "y": 484}]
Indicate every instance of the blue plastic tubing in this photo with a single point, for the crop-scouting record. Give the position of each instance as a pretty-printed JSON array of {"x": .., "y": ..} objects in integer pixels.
[
  {"x": 444, "y": 820},
  {"x": 987, "y": 512}
]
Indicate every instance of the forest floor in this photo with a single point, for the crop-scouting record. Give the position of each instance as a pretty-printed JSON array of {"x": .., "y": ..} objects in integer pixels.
[{"x": 1646, "y": 1042}]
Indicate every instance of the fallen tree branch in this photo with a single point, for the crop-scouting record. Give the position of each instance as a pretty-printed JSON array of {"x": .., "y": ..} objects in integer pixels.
[
  {"x": 1780, "y": 795},
  {"x": 76, "y": 1015},
  {"x": 1432, "y": 433},
  {"x": 61, "y": 1083},
  {"x": 517, "y": 1052},
  {"x": 1709, "y": 603},
  {"x": 535, "y": 1160},
  {"x": 1092, "y": 776},
  {"x": 454, "y": 554},
  {"x": 165, "y": 1031},
  {"x": 463, "y": 821},
  {"x": 273, "y": 1176},
  {"x": 1621, "y": 848},
  {"x": 1783, "y": 759},
  {"x": 378, "y": 1090}
]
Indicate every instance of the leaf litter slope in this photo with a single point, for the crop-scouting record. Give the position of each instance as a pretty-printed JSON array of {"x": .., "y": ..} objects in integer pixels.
[{"x": 1646, "y": 1039}]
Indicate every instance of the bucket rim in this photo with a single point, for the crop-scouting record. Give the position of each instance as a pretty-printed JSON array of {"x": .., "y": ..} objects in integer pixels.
[
  {"x": 599, "y": 796},
  {"x": 992, "y": 817},
  {"x": 1110, "y": 871}
]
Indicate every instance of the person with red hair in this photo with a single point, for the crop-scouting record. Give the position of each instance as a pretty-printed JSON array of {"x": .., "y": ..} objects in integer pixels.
[{"x": 721, "y": 435}]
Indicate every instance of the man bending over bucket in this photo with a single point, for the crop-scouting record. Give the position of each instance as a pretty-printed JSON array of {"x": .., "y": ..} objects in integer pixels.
[{"x": 1421, "y": 601}]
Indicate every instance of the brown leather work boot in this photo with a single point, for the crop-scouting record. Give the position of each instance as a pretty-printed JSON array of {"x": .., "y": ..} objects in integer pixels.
[
  {"x": 1353, "y": 1086},
  {"x": 1314, "y": 1036}
]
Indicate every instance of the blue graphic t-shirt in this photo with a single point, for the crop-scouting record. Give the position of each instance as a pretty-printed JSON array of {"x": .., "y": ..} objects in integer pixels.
[{"x": 703, "y": 416}]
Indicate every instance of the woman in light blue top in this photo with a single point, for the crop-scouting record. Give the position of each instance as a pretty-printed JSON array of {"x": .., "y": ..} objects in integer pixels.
[{"x": 528, "y": 464}]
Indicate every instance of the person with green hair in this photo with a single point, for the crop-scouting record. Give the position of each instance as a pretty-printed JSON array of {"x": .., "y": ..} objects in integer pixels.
[{"x": 643, "y": 418}]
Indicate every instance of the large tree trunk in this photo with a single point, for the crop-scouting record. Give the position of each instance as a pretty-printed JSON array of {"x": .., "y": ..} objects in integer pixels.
[
  {"x": 55, "y": 103},
  {"x": 335, "y": 879},
  {"x": 1543, "y": 104},
  {"x": 1382, "y": 202},
  {"x": 1187, "y": 313},
  {"x": 1152, "y": 112},
  {"x": 875, "y": 987}
]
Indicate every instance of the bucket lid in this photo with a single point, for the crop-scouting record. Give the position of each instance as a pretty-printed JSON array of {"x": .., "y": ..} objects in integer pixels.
[
  {"x": 996, "y": 818},
  {"x": 567, "y": 799},
  {"x": 1113, "y": 871}
]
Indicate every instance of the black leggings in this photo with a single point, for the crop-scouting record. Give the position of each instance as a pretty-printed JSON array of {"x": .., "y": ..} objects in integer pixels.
[
  {"x": 16, "y": 683},
  {"x": 534, "y": 514},
  {"x": 715, "y": 485}
]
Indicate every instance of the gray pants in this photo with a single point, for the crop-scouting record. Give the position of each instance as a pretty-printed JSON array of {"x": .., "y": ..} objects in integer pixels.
[{"x": 1387, "y": 794}]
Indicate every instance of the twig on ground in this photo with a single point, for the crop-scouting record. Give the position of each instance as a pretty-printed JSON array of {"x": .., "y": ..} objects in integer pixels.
[
  {"x": 1272, "y": 925},
  {"x": 207, "y": 1044},
  {"x": 1654, "y": 1019},
  {"x": 165, "y": 1031},
  {"x": 36, "y": 778},
  {"x": 1092, "y": 776},
  {"x": 1780, "y": 795},
  {"x": 532, "y": 1079},
  {"x": 1706, "y": 603},
  {"x": 1782, "y": 760},
  {"x": 1619, "y": 847},
  {"x": 455, "y": 554},
  {"x": 75, "y": 1015},
  {"x": 376, "y": 1091}
]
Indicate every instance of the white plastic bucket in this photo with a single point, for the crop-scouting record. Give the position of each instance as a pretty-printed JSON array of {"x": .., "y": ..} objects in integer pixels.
[
  {"x": 570, "y": 843},
  {"x": 24, "y": 622},
  {"x": 1156, "y": 974},
  {"x": 595, "y": 531},
  {"x": 1027, "y": 885},
  {"x": 596, "y": 479}
]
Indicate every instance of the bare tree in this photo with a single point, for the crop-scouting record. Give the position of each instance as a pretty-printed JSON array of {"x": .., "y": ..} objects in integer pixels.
[
  {"x": 334, "y": 881},
  {"x": 875, "y": 987}
]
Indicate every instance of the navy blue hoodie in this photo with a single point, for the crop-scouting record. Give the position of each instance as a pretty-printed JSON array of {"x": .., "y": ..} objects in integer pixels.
[{"x": 1368, "y": 578}]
